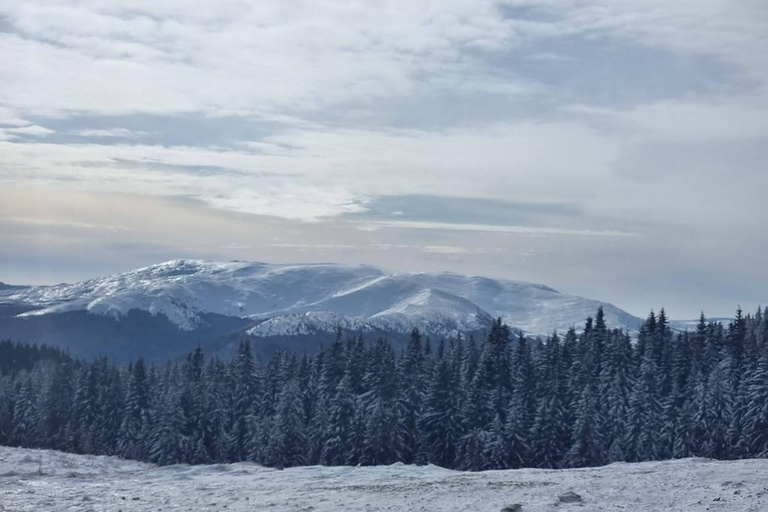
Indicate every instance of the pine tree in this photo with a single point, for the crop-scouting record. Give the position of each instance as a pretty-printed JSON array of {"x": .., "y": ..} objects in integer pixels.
[
  {"x": 473, "y": 450},
  {"x": 136, "y": 418},
  {"x": 523, "y": 396},
  {"x": 380, "y": 445},
  {"x": 167, "y": 443},
  {"x": 616, "y": 383},
  {"x": 718, "y": 402},
  {"x": 587, "y": 448},
  {"x": 599, "y": 341},
  {"x": 410, "y": 397},
  {"x": 84, "y": 412},
  {"x": 755, "y": 418},
  {"x": 642, "y": 437},
  {"x": 105, "y": 433},
  {"x": 25, "y": 424},
  {"x": 288, "y": 440},
  {"x": 339, "y": 438},
  {"x": 55, "y": 402},
  {"x": 243, "y": 404},
  {"x": 440, "y": 422},
  {"x": 547, "y": 436}
]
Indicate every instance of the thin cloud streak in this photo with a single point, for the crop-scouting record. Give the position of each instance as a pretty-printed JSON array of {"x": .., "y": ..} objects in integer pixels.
[{"x": 518, "y": 230}]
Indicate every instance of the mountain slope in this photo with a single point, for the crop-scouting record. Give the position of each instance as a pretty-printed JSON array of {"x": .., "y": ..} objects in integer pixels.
[{"x": 289, "y": 300}]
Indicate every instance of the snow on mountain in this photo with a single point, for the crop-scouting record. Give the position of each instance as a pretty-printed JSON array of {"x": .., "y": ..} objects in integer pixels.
[
  {"x": 44, "y": 480},
  {"x": 8, "y": 287},
  {"x": 311, "y": 322},
  {"x": 301, "y": 299},
  {"x": 691, "y": 325}
]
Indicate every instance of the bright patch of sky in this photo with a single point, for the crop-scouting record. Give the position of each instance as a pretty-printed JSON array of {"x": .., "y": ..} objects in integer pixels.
[{"x": 612, "y": 148}]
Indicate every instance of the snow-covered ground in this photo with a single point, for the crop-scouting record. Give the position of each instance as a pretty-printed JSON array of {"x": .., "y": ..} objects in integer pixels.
[{"x": 41, "y": 480}]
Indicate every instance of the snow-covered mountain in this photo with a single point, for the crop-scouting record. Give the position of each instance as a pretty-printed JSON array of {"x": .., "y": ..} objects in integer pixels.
[{"x": 292, "y": 300}]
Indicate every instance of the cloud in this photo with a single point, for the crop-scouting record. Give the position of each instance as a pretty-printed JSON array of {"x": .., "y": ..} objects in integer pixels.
[
  {"x": 31, "y": 130},
  {"x": 518, "y": 230},
  {"x": 47, "y": 222},
  {"x": 681, "y": 120},
  {"x": 450, "y": 249},
  {"x": 8, "y": 117},
  {"x": 311, "y": 174},
  {"x": 560, "y": 126},
  {"x": 244, "y": 57},
  {"x": 121, "y": 133}
]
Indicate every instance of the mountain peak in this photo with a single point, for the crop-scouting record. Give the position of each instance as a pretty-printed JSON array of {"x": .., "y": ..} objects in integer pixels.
[{"x": 441, "y": 303}]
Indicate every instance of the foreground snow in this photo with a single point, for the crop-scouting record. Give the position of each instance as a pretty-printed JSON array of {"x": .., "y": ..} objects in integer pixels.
[{"x": 42, "y": 480}]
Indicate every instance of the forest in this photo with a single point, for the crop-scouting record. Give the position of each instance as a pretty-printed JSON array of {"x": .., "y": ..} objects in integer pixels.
[{"x": 581, "y": 398}]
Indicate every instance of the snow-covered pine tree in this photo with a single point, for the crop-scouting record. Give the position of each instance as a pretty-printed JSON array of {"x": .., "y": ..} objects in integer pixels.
[
  {"x": 243, "y": 403},
  {"x": 167, "y": 443},
  {"x": 718, "y": 403},
  {"x": 84, "y": 411},
  {"x": 643, "y": 425},
  {"x": 134, "y": 430},
  {"x": 341, "y": 422},
  {"x": 380, "y": 445},
  {"x": 288, "y": 439},
  {"x": 755, "y": 417},
  {"x": 587, "y": 448},
  {"x": 473, "y": 450},
  {"x": 441, "y": 421},
  {"x": 616, "y": 383},
  {"x": 410, "y": 395},
  {"x": 550, "y": 435},
  {"x": 56, "y": 383},
  {"x": 25, "y": 431}
]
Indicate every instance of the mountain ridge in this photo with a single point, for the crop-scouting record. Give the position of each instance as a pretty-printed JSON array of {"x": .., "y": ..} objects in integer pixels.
[{"x": 300, "y": 299}]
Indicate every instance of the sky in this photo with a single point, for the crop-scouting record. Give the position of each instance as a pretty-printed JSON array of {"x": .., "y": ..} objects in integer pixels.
[{"x": 616, "y": 149}]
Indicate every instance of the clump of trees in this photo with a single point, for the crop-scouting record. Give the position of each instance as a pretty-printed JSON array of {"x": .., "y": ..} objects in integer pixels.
[{"x": 582, "y": 399}]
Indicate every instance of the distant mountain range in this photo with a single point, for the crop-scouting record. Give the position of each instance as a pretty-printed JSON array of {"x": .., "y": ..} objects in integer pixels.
[{"x": 166, "y": 309}]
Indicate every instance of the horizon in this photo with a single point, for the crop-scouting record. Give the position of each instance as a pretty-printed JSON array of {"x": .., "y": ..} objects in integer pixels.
[
  {"x": 615, "y": 150},
  {"x": 388, "y": 271}
]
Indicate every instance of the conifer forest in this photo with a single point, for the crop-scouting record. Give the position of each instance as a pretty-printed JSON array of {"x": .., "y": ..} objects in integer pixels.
[{"x": 585, "y": 397}]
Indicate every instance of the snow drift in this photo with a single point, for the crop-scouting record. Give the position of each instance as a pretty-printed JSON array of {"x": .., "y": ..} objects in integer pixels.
[{"x": 47, "y": 481}]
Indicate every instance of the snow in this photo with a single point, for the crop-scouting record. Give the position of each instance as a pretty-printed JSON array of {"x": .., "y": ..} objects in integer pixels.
[
  {"x": 691, "y": 325},
  {"x": 308, "y": 323},
  {"x": 41, "y": 480},
  {"x": 438, "y": 303}
]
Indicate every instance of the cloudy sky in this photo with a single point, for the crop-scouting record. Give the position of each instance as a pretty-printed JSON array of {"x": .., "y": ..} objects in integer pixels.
[{"x": 616, "y": 149}]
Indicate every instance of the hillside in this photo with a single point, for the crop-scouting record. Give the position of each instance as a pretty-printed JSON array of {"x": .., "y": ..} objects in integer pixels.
[{"x": 186, "y": 299}]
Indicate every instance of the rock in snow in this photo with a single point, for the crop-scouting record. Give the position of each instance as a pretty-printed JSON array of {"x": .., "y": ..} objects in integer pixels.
[
  {"x": 303, "y": 299},
  {"x": 111, "y": 484},
  {"x": 569, "y": 497}
]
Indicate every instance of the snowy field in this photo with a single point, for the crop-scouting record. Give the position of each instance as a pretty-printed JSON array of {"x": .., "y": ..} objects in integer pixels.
[{"x": 41, "y": 480}]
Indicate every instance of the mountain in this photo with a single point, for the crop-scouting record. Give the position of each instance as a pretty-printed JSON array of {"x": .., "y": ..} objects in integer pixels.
[
  {"x": 170, "y": 307},
  {"x": 690, "y": 325},
  {"x": 10, "y": 287}
]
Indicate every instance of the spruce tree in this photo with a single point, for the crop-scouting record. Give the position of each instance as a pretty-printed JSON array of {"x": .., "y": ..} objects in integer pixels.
[
  {"x": 137, "y": 419},
  {"x": 441, "y": 421},
  {"x": 339, "y": 438},
  {"x": 755, "y": 418},
  {"x": 25, "y": 431},
  {"x": 288, "y": 440}
]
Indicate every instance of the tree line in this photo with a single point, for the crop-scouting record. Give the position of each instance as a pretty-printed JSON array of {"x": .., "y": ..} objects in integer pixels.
[{"x": 585, "y": 398}]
